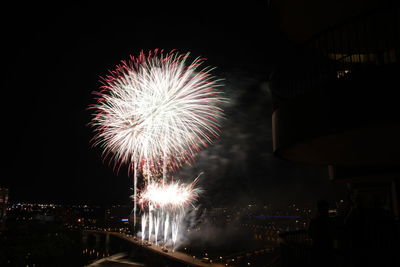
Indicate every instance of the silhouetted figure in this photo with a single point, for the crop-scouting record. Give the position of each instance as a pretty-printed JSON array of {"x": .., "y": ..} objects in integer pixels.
[
  {"x": 371, "y": 232},
  {"x": 321, "y": 233},
  {"x": 355, "y": 223}
]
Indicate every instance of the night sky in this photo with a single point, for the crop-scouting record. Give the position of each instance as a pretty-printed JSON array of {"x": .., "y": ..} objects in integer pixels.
[{"x": 52, "y": 61}]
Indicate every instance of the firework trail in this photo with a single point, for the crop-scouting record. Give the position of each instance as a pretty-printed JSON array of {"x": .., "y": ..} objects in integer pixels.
[
  {"x": 166, "y": 202},
  {"x": 154, "y": 112}
]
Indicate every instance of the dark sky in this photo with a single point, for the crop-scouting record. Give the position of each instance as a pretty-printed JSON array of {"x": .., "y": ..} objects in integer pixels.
[{"x": 53, "y": 58}]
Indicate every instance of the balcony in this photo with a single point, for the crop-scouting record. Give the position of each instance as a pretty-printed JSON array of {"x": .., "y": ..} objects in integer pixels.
[{"x": 334, "y": 97}]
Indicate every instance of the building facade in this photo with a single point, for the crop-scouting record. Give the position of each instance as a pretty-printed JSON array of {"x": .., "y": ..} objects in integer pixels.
[
  {"x": 3, "y": 206},
  {"x": 334, "y": 104}
]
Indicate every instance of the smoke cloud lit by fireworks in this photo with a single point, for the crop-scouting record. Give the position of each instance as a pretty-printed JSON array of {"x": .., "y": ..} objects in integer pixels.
[{"x": 154, "y": 112}]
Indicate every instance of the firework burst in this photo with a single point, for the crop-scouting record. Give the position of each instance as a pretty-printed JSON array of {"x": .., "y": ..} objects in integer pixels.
[
  {"x": 171, "y": 196},
  {"x": 163, "y": 208},
  {"x": 154, "y": 112},
  {"x": 157, "y": 110}
]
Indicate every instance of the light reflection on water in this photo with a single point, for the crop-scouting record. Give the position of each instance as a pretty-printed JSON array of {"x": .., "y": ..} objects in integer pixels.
[{"x": 99, "y": 246}]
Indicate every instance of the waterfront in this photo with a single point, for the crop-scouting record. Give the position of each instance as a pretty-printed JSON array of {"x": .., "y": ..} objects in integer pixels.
[
  {"x": 35, "y": 243},
  {"x": 77, "y": 235}
]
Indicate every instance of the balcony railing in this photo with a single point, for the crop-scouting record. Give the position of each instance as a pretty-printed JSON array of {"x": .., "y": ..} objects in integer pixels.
[{"x": 378, "y": 244}]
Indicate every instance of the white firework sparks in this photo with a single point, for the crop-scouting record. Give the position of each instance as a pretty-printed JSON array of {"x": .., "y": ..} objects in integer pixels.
[
  {"x": 157, "y": 111},
  {"x": 174, "y": 195},
  {"x": 164, "y": 205},
  {"x": 153, "y": 113}
]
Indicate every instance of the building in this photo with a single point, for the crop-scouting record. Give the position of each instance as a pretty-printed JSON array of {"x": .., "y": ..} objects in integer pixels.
[
  {"x": 335, "y": 104},
  {"x": 117, "y": 216},
  {"x": 334, "y": 95},
  {"x": 3, "y": 206}
]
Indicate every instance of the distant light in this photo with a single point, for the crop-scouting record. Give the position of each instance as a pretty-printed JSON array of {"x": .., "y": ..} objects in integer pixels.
[{"x": 124, "y": 220}]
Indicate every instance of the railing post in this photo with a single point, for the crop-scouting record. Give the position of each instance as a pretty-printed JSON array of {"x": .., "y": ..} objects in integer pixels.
[{"x": 107, "y": 244}]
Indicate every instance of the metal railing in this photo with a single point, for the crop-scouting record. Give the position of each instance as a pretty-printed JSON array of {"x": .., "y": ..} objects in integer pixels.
[
  {"x": 378, "y": 243},
  {"x": 295, "y": 248}
]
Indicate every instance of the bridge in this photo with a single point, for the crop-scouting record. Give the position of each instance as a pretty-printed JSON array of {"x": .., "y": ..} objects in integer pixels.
[{"x": 153, "y": 249}]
